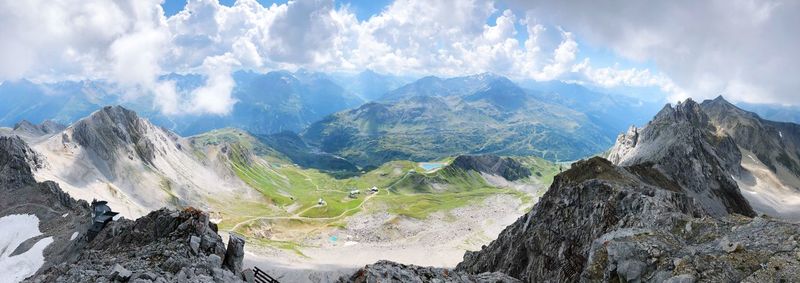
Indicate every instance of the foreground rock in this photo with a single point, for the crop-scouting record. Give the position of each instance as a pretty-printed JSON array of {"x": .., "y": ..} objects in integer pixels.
[
  {"x": 670, "y": 213},
  {"x": 58, "y": 220},
  {"x": 156, "y": 248},
  {"x": 387, "y": 271}
]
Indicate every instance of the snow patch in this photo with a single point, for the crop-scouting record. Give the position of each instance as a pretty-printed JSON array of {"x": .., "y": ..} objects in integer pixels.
[
  {"x": 65, "y": 215},
  {"x": 19, "y": 228}
]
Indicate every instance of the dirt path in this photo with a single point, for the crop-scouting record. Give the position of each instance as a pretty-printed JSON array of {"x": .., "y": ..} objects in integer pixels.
[{"x": 298, "y": 217}]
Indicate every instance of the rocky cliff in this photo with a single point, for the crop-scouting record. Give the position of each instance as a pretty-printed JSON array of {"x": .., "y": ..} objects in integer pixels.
[
  {"x": 667, "y": 211},
  {"x": 682, "y": 143},
  {"x": 48, "y": 221},
  {"x": 117, "y": 156},
  {"x": 164, "y": 246},
  {"x": 508, "y": 168}
]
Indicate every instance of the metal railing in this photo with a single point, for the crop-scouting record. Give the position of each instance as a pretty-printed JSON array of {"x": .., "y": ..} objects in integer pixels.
[{"x": 263, "y": 277}]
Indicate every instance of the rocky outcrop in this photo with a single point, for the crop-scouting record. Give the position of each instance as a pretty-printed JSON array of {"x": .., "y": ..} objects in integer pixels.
[
  {"x": 61, "y": 220},
  {"x": 600, "y": 222},
  {"x": 387, "y": 271},
  {"x": 776, "y": 144},
  {"x": 155, "y": 248},
  {"x": 681, "y": 143},
  {"x": 668, "y": 212},
  {"x": 47, "y": 127},
  {"x": 506, "y": 167},
  {"x": 114, "y": 128},
  {"x": 159, "y": 247}
]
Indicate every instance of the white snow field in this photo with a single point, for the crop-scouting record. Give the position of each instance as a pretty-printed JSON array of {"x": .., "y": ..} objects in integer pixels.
[{"x": 17, "y": 229}]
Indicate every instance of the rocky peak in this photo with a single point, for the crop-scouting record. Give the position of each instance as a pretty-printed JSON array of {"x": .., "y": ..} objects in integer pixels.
[
  {"x": 686, "y": 111},
  {"x": 682, "y": 143},
  {"x": 112, "y": 128},
  {"x": 25, "y": 127},
  {"x": 17, "y": 160},
  {"x": 506, "y": 167},
  {"x": 625, "y": 143}
]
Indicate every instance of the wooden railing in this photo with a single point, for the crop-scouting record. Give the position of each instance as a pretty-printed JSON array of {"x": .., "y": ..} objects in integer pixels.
[{"x": 263, "y": 277}]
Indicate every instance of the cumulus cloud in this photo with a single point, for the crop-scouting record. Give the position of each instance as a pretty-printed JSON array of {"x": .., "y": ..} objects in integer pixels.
[
  {"x": 131, "y": 43},
  {"x": 743, "y": 49}
]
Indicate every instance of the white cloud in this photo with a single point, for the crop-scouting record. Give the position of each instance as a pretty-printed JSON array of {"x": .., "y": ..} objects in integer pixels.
[
  {"x": 744, "y": 49},
  {"x": 131, "y": 43}
]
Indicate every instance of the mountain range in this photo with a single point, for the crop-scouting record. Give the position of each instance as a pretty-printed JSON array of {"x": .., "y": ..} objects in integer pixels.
[
  {"x": 432, "y": 118},
  {"x": 702, "y": 192},
  {"x": 336, "y": 113}
]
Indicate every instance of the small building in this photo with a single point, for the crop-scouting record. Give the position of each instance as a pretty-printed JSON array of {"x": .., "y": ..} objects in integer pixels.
[
  {"x": 101, "y": 216},
  {"x": 354, "y": 193},
  {"x": 373, "y": 190},
  {"x": 321, "y": 202}
]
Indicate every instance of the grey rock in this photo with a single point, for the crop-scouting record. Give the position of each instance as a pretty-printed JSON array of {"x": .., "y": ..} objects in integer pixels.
[
  {"x": 387, "y": 271},
  {"x": 508, "y": 168},
  {"x": 248, "y": 275},
  {"x": 194, "y": 243},
  {"x": 728, "y": 246},
  {"x": 214, "y": 261},
  {"x": 120, "y": 273},
  {"x": 683, "y": 278},
  {"x": 234, "y": 254},
  {"x": 151, "y": 247},
  {"x": 667, "y": 208}
]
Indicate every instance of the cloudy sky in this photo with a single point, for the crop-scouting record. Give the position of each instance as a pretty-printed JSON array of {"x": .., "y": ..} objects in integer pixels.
[{"x": 746, "y": 50}]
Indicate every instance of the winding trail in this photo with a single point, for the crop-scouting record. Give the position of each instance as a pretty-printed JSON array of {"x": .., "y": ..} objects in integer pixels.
[{"x": 298, "y": 217}]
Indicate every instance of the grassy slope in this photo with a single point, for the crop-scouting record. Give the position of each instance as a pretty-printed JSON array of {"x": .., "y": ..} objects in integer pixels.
[{"x": 292, "y": 192}]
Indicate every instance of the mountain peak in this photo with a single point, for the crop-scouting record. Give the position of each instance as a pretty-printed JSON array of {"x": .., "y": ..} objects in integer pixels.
[{"x": 685, "y": 111}]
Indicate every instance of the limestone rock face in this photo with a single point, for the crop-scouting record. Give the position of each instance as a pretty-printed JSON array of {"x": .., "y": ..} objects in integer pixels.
[
  {"x": 387, "y": 271},
  {"x": 114, "y": 128},
  {"x": 681, "y": 143},
  {"x": 508, "y": 168}
]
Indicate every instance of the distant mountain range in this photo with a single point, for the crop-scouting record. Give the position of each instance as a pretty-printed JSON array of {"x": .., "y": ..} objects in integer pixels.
[
  {"x": 369, "y": 118},
  {"x": 434, "y": 117}
]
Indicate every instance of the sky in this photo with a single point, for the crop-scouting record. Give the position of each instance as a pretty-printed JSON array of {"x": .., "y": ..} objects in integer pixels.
[{"x": 743, "y": 49}]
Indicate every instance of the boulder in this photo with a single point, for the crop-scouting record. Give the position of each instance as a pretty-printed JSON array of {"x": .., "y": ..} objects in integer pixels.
[{"x": 234, "y": 254}]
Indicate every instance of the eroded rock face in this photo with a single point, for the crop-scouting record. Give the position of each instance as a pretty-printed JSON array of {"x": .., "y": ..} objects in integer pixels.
[
  {"x": 113, "y": 128},
  {"x": 387, "y": 271},
  {"x": 667, "y": 211},
  {"x": 681, "y": 143},
  {"x": 584, "y": 203},
  {"x": 506, "y": 167},
  {"x": 156, "y": 247},
  {"x": 61, "y": 218}
]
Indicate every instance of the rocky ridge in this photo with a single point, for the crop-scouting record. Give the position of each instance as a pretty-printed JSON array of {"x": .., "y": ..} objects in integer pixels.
[
  {"x": 682, "y": 143},
  {"x": 665, "y": 210},
  {"x": 163, "y": 246},
  {"x": 508, "y": 168}
]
